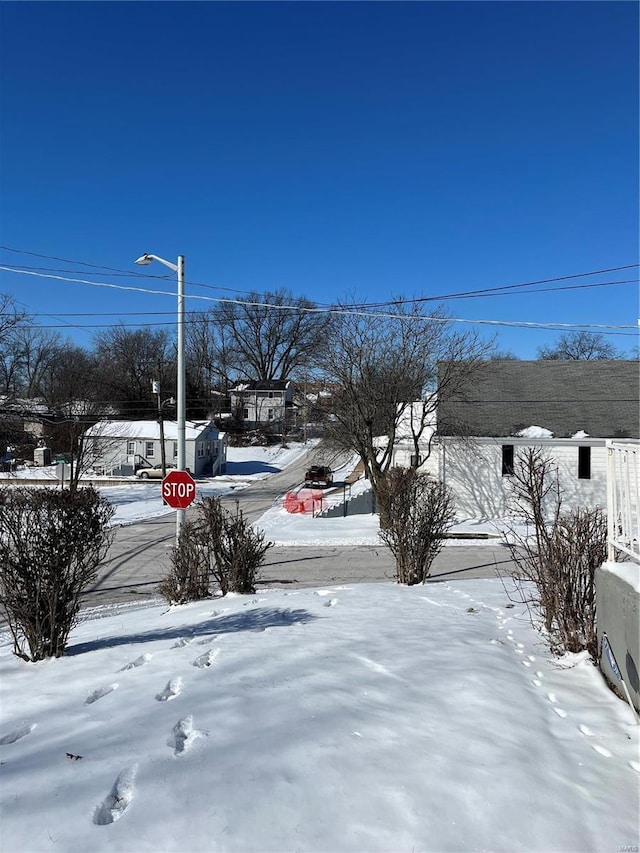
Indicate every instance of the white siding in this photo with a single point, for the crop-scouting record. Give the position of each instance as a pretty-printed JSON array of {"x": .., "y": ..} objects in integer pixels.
[{"x": 473, "y": 471}]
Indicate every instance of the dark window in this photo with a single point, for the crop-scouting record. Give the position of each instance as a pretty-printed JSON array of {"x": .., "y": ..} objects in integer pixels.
[
  {"x": 584, "y": 463},
  {"x": 507, "y": 460}
]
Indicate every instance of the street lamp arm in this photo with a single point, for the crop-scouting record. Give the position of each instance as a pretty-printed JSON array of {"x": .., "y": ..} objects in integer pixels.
[{"x": 146, "y": 259}]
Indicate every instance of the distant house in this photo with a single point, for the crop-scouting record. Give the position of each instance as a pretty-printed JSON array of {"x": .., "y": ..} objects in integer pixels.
[
  {"x": 568, "y": 408},
  {"x": 125, "y": 446},
  {"x": 262, "y": 403}
]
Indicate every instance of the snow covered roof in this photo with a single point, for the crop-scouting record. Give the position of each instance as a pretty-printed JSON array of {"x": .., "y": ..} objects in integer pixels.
[
  {"x": 150, "y": 430},
  {"x": 263, "y": 385},
  {"x": 534, "y": 432},
  {"x": 599, "y": 397}
]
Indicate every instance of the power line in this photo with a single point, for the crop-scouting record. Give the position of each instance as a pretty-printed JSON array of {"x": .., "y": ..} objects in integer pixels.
[
  {"x": 341, "y": 310},
  {"x": 487, "y": 291}
]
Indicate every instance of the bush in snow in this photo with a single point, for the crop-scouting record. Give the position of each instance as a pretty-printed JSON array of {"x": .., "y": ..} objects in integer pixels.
[
  {"x": 559, "y": 557},
  {"x": 188, "y": 579},
  {"x": 51, "y": 544},
  {"x": 420, "y": 511},
  {"x": 218, "y": 544}
]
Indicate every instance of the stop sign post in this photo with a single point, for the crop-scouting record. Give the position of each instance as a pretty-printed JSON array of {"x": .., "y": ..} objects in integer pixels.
[{"x": 178, "y": 489}]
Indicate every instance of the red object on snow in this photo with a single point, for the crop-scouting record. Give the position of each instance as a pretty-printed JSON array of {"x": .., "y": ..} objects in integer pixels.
[{"x": 304, "y": 500}]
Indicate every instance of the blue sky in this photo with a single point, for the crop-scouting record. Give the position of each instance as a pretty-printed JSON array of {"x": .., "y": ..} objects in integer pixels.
[{"x": 362, "y": 149}]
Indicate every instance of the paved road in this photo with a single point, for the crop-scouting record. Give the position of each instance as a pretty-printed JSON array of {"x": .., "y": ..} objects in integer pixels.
[{"x": 139, "y": 556}]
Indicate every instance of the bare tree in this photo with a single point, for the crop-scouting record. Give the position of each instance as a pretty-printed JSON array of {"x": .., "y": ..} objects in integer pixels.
[
  {"x": 558, "y": 555},
  {"x": 71, "y": 387},
  {"x": 208, "y": 358},
  {"x": 127, "y": 361},
  {"x": 385, "y": 371},
  {"x": 273, "y": 335},
  {"x": 580, "y": 346},
  {"x": 12, "y": 321}
]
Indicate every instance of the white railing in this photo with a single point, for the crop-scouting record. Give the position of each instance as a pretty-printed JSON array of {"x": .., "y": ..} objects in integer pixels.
[{"x": 623, "y": 499}]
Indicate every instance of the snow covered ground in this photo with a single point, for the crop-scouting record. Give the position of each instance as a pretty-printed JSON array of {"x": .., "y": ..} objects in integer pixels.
[
  {"x": 358, "y": 718},
  {"x": 364, "y": 718}
]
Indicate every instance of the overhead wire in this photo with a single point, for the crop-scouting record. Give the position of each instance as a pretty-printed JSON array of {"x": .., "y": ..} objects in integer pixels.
[
  {"x": 486, "y": 291},
  {"x": 342, "y": 310}
]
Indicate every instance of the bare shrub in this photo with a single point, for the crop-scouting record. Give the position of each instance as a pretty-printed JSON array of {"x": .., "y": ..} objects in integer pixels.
[
  {"x": 188, "y": 579},
  {"x": 419, "y": 511},
  {"x": 236, "y": 550},
  {"x": 218, "y": 544},
  {"x": 559, "y": 558},
  {"x": 51, "y": 544}
]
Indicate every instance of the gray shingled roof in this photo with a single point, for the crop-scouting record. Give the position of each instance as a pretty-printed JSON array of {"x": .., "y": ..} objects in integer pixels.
[{"x": 599, "y": 397}]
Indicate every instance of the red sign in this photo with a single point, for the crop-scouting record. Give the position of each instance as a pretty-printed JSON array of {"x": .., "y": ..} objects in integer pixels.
[{"x": 178, "y": 489}]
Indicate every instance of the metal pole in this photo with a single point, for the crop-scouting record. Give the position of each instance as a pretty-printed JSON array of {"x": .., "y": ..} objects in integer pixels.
[
  {"x": 611, "y": 502},
  {"x": 181, "y": 411},
  {"x": 163, "y": 454}
]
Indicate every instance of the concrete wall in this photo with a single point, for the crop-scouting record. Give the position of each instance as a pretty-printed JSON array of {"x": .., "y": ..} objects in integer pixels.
[{"x": 618, "y": 610}]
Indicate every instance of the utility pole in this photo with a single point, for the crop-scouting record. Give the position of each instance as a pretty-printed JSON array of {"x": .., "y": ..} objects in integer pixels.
[{"x": 155, "y": 388}]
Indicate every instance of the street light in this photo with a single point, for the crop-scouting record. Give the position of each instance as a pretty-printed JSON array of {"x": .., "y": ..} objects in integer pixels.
[{"x": 178, "y": 268}]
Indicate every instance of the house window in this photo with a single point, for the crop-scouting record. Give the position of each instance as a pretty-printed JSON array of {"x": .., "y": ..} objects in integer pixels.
[
  {"x": 149, "y": 448},
  {"x": 175, "y": 449},
  {"x": 245, "y": 414},
  {"x": 270, "y": 395},
  {"x": 200, "y": 449},
  {"x": 131, "y": 448},
  {"x": 507, "y": 460},
  {"x": 208, "y": 448},
  {"x": 269, "y": 414},
  {"x": 584, "y": 463}
]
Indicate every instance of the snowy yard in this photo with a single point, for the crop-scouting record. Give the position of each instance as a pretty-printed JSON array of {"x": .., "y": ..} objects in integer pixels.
[
  {"x": 364, "y": 718},
  {"x": 358, "y": 718}
]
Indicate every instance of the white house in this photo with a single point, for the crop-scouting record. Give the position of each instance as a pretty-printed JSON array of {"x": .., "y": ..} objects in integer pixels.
[
  {"x": 262, "y": 403},
  {"x": 567, "y": 408},
  {"x": 129, "y": 445}
]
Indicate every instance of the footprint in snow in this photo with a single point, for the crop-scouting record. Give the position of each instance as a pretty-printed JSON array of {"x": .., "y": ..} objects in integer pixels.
[
  {"x": 331, "y": 603},
  {"x": 206, "y": 659},
  {"x": 635, "y": 765},
  {"x": 537, "y": 682},
  {"x": 183, "y": 735},
  {"x": 100, "y": 693},
  {"x": 552, "y": 698},
  {"x": 181, "y": 643},
  {"x": 137, "y": 662},
  {"x": 586, "y": 731},
  {"x": 173, "y": 689},
  {"x": 601, "y": 750},
  {"x": 560, "y": 712},
  {"x": 17, "y": 734},
  {"x": 119, "y": 799}
]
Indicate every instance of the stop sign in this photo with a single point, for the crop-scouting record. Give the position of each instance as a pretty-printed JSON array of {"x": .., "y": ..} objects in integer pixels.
[{"x": 178, "y": 489}]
